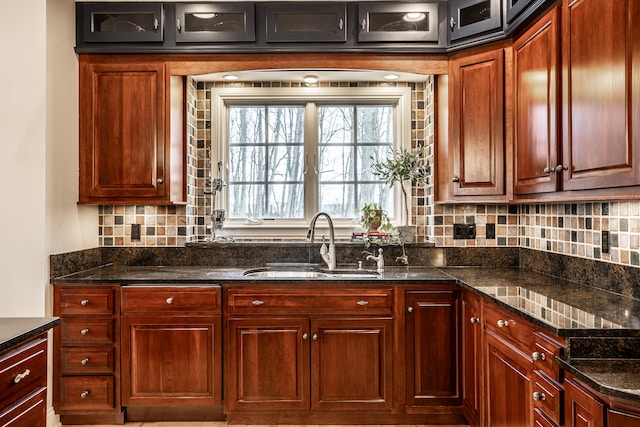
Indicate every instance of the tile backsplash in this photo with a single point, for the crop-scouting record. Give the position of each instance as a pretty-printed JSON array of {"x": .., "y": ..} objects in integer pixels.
[{"x": 573, "y": 229}]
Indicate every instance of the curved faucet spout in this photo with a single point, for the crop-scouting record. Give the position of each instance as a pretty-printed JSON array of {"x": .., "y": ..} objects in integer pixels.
[{"x": 329, "y": 256}]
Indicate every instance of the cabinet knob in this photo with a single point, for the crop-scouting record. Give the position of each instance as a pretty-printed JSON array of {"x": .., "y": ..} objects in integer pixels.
[
  {"x": 452, "y": 23},
  {"x": 314, "y": 337},
  {"x": 502, "y": 323},
  {"x": 474, "y": 320},
  {"x": 305, "y": 336},
  {"x": 84, "y": 302},
  {"x": 156, "y": 24},
  {"x": 84, "y": 331},
  {"x": 84, "y": 394},
  {"x": 21, "y": 376},
  {"x": 159, "y": 181},
  {"x": 85, "y": 361},
  {"x": 410, "y": 309},
  {"x": 537, "y": 396},
  {"x": 178, "y": 25},
  {"x": 455, "y": 179},
  {"x": 536, "y": 355},
  {"x": 363, "y": 24},
  {"x": 170, "y": 300},
  {"x": 340, "y": 24}
]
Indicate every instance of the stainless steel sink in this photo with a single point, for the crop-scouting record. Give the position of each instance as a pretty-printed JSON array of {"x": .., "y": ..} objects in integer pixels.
[{"x": 310, "y": 273}]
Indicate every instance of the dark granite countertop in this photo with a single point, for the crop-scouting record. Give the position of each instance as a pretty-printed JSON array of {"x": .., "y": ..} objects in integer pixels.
[
  {"x": 14, "y": 330},
  {"x": 564, "y": 308}
]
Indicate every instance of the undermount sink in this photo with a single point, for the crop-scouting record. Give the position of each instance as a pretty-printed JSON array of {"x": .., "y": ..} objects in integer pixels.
[{"x": 309, "y": 273}]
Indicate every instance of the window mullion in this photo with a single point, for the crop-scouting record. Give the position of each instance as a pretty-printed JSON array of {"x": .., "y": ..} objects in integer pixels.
[{"x": 312, "y": 160}]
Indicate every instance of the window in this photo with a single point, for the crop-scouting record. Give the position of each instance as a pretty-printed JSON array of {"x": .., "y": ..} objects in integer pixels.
[{"x": 291, "y": 153}]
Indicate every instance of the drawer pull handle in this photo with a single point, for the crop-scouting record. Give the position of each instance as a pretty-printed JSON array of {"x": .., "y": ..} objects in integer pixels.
[
  {"x": 170, "y": 300},
  {"x": 21, "y": 376},
  {"x": 84, "y": 331},
  {"x": 85, "y": 361},
  {"x": 502, "y": 323},
  {"x": 257, "y": 302},
  {"x": 84, "y": 394},
  {"x": 536, "y": 355},
  {"x": 362, "y": 303},
  {"x": 84, "y": 302},
  {"x": 474, "y": 320},
  {"x": 537, "y": 396}
]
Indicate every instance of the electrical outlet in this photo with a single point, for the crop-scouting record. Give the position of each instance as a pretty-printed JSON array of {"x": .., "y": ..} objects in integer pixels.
[
  {"x": 605, "y": 242},
  {"x": 464, "y": 231},
  {"x": 135, "y": 231},
  {"x": 491, "y": 231}
]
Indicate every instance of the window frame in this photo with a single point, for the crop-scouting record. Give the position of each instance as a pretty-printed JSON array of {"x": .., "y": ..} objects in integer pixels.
[{"x": 399, "y": 97}]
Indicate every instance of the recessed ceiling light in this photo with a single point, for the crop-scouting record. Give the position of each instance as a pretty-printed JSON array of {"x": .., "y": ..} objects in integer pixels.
[
  {"x": 391, "y": 77},
  {"x": 414, "y": 16},
  {"x": 230, "y": 77},
  {"x": 310, "y": 79}
]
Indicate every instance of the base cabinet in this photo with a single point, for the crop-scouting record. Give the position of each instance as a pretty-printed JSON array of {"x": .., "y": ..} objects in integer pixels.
[
  {"x": 471, "y": 329},
  {"x": 582, "y": 409}
]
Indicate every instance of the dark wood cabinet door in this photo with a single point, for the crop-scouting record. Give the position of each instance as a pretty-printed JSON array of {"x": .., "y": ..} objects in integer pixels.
[
  {"x": 622, "y": 419},
  {"x": 601, "y": 101},
  {"x": 432, "y": 344},
  {"x": 508, "y": 387},
  {"x": 351, "y": 364},
  {"x": 581, "y": 408},
  {"x": 268, "y": 364},
  {"x": 536, "y": 73},
  {"x": 477, "y": 147},
  {"x": 471, "y": 356},
  {"x": 168, "y": 358},
  {"x": 122, "y": 146}
]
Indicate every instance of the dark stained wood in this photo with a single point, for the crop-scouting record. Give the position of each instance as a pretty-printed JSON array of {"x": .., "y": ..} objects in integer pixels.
[
  {"x": 537, "y": 78},
  {"x": 124, "y": 154},
  {"x": 601, "y": 100},
  {"x": 471, "y": 329},
  {"x": 31, "y": 411},
  {"x": 581, "y": 408},
  {"x": 268, "y": 364},
  {"x": 432, "y": 371},
  {"x": 476, "y": 123},
  {"x": 540, "y": 420},
  {"x": 352, "y": 364},
  {"x": 622, "y": 419}
]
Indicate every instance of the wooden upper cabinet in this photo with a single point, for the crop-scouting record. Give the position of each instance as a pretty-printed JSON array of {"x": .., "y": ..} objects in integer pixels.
[
  {"x": 125, "y": 153},
  {"x": 536, "y": 84},
  {"x": 601, "y": 100},
  {"x": 476, "y": 124}
]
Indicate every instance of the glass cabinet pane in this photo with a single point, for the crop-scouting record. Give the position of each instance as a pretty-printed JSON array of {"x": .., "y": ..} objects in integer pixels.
[
  {"x": 121, "y": 22},
  {"x": 472, "y": 17},
  {"x": 516, "y": 7},
  {"x": 215, "y": 22},
  {"x": 398, "y": 22},
  {"x": 310, "y": 22}
]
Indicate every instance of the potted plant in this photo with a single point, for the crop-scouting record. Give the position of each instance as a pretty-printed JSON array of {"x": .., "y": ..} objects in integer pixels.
[
  {"x": 404, "y": 167},
  {"x": 374, "y": 218}
]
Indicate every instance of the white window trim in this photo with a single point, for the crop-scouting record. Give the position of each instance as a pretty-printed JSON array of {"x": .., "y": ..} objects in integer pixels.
[{"x": 292, "y": 230}]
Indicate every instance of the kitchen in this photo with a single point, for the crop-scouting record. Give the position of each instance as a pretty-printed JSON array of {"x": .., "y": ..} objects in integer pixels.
[{"x": 58, "y": 225}]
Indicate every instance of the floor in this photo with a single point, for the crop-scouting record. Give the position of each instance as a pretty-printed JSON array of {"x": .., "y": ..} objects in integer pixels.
[{"x": 223, "y": 424}]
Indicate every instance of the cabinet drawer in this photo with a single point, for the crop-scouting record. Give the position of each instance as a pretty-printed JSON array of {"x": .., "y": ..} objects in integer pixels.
[
  {"x": 305, "y": 301},
  {"x": 544, "y": 356},
  {"x": 547, "y": 396},
  {"x": 137, "y": 299},
  {"x": 509, "y": 326},
  {"x": 540, "y": 420},
  {"x": 23, "y": 370},
  {"x": 87, "y": 393},
  {"x": 87, "y": 331},
  {"x": 87, "y": 302},
  {"x": 29, "y": 412},
  {"x": 87, "y": 360}
]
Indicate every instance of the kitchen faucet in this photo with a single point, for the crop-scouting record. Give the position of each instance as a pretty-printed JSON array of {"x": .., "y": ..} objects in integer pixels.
[
  {"x": 329, "y": 256},
  {"x": 378, "y": 259}
]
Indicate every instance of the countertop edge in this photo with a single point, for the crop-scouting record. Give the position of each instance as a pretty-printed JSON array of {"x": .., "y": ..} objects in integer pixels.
[{"x": 24, "y": 328}]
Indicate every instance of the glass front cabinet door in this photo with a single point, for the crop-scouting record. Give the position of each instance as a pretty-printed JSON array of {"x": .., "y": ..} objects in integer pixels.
[
  {"x": 398, "y": 22},
  {"x": 516, "y": 7},
  {"x": 120, "y": 22},
  {"x": 215, "y": 22},
  {"x": 306, "y": 22},
  {"x": 471, "y": 17}
]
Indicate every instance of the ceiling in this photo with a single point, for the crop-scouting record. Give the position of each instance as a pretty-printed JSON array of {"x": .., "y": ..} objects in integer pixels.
[{"x": 326, "y": 75}]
